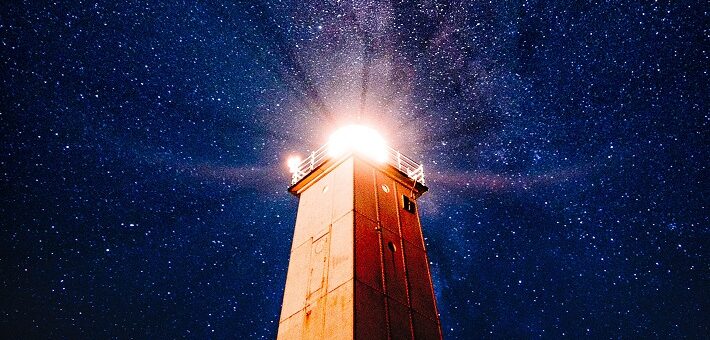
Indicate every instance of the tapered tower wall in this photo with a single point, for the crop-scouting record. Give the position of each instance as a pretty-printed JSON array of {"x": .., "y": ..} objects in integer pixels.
[{"x": 358, "y": 267}]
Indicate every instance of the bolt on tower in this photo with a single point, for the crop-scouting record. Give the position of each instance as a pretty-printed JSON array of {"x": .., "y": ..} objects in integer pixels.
[{"x": 358, "y": 267}]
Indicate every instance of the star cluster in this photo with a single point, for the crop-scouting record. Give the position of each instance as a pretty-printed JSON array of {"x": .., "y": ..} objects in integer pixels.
[{"x": 143, "y": 161}]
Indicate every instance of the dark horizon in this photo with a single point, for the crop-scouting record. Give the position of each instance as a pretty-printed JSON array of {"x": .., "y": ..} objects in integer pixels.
[{"x": 144, "y": 174}]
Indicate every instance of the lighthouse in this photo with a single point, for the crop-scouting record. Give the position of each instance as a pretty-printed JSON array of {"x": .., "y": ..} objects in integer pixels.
[{"x": 358, "y": 267}]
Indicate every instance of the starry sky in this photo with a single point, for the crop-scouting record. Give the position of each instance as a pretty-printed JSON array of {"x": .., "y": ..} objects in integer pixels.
[{"x": 143, "y": 170}]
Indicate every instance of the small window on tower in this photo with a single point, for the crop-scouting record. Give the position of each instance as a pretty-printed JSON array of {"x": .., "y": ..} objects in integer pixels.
[{"x": 408, "y": 204}]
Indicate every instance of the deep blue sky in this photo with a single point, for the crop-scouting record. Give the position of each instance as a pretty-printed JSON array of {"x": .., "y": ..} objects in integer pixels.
[{"x": 143, "y": 169}]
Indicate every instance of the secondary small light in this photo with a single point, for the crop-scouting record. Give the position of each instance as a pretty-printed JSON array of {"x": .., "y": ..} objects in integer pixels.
[
  {"x": 293, "y": 162},
  {"x": 358, "y": 138}
]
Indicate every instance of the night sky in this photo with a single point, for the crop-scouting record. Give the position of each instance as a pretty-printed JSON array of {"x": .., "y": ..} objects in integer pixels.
[{"x": 143, "y": 162}]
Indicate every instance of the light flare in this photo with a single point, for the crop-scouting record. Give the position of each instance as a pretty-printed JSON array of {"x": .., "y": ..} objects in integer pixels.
[
  {"x": 358, "y": 138},
  {"x": 293, "y": 162}
]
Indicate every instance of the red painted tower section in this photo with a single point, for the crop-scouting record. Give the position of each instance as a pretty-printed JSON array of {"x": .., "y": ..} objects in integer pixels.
[{"x": 358, "y": 267}]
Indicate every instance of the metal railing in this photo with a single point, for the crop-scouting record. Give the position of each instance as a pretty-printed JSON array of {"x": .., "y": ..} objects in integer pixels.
[{"x": 406, "y": 165}]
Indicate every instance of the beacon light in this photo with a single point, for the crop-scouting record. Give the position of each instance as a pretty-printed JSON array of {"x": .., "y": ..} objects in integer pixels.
[
  {"x": 358, "y": 138},
  {"x": 293, "y": 162}
]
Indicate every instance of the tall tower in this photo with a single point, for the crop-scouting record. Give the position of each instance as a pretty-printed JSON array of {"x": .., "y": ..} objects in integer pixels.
[{"x": 358, "y": 267}]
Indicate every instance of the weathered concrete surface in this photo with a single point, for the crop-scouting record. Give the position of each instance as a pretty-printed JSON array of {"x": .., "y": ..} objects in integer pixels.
[{"x": 358, "y": 267}]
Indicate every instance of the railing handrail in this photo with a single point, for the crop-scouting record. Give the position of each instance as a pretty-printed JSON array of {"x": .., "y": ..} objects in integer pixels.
[{"x": 401, "y": 162}]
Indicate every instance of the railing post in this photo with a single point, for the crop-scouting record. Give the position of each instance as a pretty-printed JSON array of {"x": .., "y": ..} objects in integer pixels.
[{"x": 421, "y": 173}]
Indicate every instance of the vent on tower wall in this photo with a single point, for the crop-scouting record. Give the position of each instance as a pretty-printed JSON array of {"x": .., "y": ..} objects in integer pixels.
[{"x": 408, "y": 204}]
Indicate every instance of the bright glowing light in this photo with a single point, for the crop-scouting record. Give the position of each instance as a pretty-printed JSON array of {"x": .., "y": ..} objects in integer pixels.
[
  {"x": 358, "y": 138},
  {"x": 293, "y": 162}
]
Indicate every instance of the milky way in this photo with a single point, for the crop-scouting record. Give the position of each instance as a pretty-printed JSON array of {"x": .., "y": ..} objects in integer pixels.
[{"x": 143, "y": 160}]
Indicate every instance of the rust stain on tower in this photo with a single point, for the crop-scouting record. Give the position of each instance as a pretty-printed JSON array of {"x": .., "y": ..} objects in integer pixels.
[{"x": 358, "y": 267}]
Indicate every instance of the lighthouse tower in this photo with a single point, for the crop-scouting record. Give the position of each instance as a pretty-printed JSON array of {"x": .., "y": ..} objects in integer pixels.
[{"x": 358, "y": 267}]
